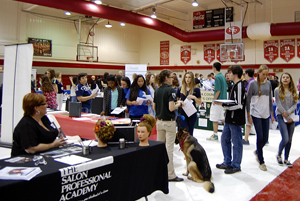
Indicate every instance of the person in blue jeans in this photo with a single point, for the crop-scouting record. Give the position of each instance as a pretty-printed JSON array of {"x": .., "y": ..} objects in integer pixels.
[
  {"x": 231, "y": 138},
  {"x": 190, "y": 91},
  {"x": 286, "y": 98},
  {"x": 83, "y": 93},
  {"x": 259, "y": 107}
]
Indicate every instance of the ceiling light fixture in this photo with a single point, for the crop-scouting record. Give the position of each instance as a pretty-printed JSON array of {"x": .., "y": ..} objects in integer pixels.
[
  {"x": 67, "y": 13},
  {"x": 153, "y": 14},
  {"x": 98, "y": 2},
  {"x": 108, "y": 25},
  {"x": 122, "y": 24},
  {"x": 195, "y": 3}
]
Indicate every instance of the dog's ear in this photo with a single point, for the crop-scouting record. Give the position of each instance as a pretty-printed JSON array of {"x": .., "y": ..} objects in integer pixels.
[
  {"x": 186, "y": 129},
  {"x": 180, "y": 130}
]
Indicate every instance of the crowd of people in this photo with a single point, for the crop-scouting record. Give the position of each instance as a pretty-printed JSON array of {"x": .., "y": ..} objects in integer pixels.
[{"x": 251, "y": 105}]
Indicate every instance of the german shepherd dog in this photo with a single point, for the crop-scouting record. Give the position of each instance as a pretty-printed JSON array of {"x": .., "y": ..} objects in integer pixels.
[{"x": 196, "y": 159}]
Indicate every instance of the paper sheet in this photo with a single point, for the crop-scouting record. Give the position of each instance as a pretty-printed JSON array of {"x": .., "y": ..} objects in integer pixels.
[
  {"x": 72, "y": 159},
  {"x": 91, "y": 143},
  {"x": 95, "y": 90},
  {"x": 294, "y": 117},
  {"x": 81, "y": 118},
  {"x": 141, "y": 101},
  {"x": 189, "y": 108},
  {"x": 225, "y": 101},
  {"x": 118, "y": 110}
]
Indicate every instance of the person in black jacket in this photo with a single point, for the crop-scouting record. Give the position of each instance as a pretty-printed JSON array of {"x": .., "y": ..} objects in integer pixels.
[
  {"x": 113, "y": 97},
  {"x": 234, "y": 120}
]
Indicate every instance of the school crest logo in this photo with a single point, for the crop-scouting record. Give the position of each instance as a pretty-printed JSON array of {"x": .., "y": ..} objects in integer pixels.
[{"x": 174, "y": 95}]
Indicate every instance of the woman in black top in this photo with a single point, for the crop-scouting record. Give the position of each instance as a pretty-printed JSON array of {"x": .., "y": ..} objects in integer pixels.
[{"x": 34, "y": 132}]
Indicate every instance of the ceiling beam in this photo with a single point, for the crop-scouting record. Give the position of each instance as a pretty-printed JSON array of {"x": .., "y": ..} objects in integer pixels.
[
  {"x": 149, "y": 5},
  {"x": 170, "y": 9},
  {"x": 29, "y": 7}
]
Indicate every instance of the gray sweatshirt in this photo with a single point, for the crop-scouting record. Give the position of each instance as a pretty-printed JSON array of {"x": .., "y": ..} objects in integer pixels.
[
  {"x": 287, "y": 106},
  {"x": 260, "y": 107}
]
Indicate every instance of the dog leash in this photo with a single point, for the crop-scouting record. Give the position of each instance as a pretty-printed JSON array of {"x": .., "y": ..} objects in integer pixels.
[{"x": 181, "y": 143}]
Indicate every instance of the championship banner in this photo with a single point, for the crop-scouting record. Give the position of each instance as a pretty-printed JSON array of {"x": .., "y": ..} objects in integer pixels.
[
  {"x": 233, "y": 30},
  {"x": 164, "y": 52},
  {"x": 271, "y": 50},
  {"x": 209, "y": 52},
  {"x": 298, "y": 47},
  {"x": 185, "y": 53},
  {"x": 198, "y": 19},
  {"x": 287, "y": 49}
]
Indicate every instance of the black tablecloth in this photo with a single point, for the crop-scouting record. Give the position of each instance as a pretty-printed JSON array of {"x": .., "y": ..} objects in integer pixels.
[{"x": 136, "y": 172}]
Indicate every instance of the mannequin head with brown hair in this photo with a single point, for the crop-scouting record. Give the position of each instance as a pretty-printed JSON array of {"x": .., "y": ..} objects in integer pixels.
[
  {"x": 104, "y": 131},
  {"x": 144, "y": 129}
]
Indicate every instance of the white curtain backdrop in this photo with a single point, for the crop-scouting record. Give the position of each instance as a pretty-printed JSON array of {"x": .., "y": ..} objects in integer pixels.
[{"x": 16, "y": 83}]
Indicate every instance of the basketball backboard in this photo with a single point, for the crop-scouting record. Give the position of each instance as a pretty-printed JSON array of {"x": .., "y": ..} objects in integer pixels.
[
  {"x": 232, "y": 52},
  {"x": 87, "y": 53}
]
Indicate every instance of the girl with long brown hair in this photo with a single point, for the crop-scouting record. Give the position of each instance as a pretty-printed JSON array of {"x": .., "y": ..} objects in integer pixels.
[
  {"x": 286, "y": 98},
  {"x": 259, "y": 100},
  {"x": 49, "y": 93},
  {"x": 150, "y": 83},
  {"x": 190, "y": 91}
]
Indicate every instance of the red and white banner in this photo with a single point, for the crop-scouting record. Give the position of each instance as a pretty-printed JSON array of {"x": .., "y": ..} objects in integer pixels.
[
  {"x": 164, "y": 52},
  {"x": 198, "y": 19},
  {"x": 271, "y": 50},
  {"x": 233, "y": 30},
  {"x": 298, "y": 47},
  {"x": 209, "y": 52},
  {"x": 287, "y": 49},
  {"x": 185, "y": 53}
]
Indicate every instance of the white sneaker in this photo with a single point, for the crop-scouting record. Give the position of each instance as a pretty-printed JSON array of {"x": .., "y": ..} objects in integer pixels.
[
  {"x": 213, "y": 137},
  {"x": 263, "y": 167}
]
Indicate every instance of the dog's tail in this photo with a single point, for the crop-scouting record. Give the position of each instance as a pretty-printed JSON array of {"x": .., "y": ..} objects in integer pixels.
[{"x": 209, "y": 186}]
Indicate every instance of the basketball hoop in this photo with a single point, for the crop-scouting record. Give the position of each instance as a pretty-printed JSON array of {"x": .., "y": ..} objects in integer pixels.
[{"x": 90, "y": 59}]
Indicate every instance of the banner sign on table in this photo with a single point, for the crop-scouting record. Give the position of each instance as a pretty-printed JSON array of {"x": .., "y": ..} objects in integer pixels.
[
  {"x": 298, "y": 47},
  {"x": 198, "y": 19},
  {"x": 209, "y": 52},
  {"x": 271, "y": 50},
  {"x": 185, "y": 53},
  {"x": 233, "y": 30},
  {"x": 164, "y": 52},
  {"x": 80, "y": 183},
  {"x": 287, "y": 49}
]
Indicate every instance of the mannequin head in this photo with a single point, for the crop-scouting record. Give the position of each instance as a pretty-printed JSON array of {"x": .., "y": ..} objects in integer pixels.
[
  {"x": 144, "y": 128},
  {"x": 104, "y": 131}
]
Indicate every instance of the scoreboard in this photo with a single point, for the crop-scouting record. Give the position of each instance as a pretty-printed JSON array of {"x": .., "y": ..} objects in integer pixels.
[{"x": 212, "y": 18}]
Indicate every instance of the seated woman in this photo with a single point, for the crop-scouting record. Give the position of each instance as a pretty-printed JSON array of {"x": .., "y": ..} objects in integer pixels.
[
  {"x": 144, "y": 129},
  {"x": 104, "y": 131},
  {"x": 33, "y": 134}
]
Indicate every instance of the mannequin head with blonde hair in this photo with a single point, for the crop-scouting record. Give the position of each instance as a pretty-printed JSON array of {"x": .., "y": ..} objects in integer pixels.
[{"x": 145, "y": 128}]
